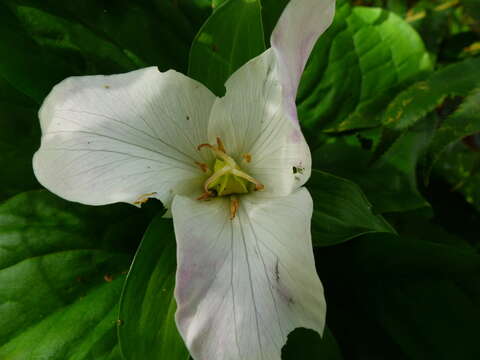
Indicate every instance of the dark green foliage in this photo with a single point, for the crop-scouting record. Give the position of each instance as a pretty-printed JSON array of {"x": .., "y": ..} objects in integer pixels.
[
  {"x": 147, "y": 329},
  {"x": 62, "y": 268},
  {"x": 363, "y": 58},
  {"x": 389, "y": 99},
  {"x": 231, "y": 36}
]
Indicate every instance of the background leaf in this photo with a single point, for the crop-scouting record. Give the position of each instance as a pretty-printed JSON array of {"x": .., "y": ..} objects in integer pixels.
[
  {"x": 232, "y": 35},
  {"x": 25, "y": 65},
  {"x": 417, "y": 101},
  {"x": 462, "y": 123},
  {"x": 147, "y": 306},
  {"x": 357, "y": 66},
  {"x": 391, "y": 183},
  {"x": 307, "y": 344},
  {"x": 45, "y": 41},
  {"x": 61, "y": 273},
  {"x": 402, "y": 298},
  {"x": 19, "y": 138},
  {"x": 341, "y": 211}
]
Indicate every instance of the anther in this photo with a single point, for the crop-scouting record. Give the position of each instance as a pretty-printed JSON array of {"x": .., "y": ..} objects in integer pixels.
[
  {"x": 234, "y": 205},
  {"x": 247, "y": 157},
  {"x": 205, "y": 196},
  {"x": 219, "y": 151},
  {"x": 202, "y": 166},
  {"x": 143, "y": 198},
  {"x": 199, "y": 147},
  {"x": 220, "y": 145}
]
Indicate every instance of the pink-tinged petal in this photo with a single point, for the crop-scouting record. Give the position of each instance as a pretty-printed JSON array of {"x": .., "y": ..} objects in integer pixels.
[
  {"x": 123, "y": 138},
  {"x": 300, "y": 25},
  {"x": 251, "y": 119},
  {"x": 258, "y": 116},
  {"x": 244, "y": 284}
]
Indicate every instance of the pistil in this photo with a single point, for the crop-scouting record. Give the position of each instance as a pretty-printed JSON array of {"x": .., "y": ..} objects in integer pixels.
[{"x": 228, "y": 179}]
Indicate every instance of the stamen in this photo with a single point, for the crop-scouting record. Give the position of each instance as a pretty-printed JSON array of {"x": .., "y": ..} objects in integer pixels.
[
  {"x": 199, "y": 147},
  {"x": 143, "y": 198},
  {"x": 217, "y": 150},
  {"x": 234, "y": 205},
  {"x": 202, "y": 166},
  {"x": 241, "y": 174},
  {"x": 227, "y": 178},
  {"x": 247, "y": 157},
  {"x": 220, "y": 145},
  {"x": 205, "y": 196}
]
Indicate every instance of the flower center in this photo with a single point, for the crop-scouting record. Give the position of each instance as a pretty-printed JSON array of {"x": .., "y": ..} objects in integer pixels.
[{"x": 227, "y": 179}]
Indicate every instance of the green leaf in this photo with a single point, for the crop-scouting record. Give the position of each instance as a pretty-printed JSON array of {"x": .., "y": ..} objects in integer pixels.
[
  {"x": 147, "y": 306},
  {"x": 421, "y": 98},
  {"x": 25, "y": 65},
  {"x": 149, "y": 32},
  {"x": 341, "y": 211},
  {"x": 460, "y": 167},
  {"x": 472, "y": 8},
  {"x": 390, "y": 184},
  {"x": 307, "y": 344},
  {"x": 67, "y": 37},
  {"x": 357, "y": 66},
  {"x": 61, "y": 274},
  {"x": 42, "y": 42},
  {"x": 418, "y": 101},
  {"x": 19, "y": 138},
  {"x": 402, "y": 298},
  {"x": 463, "y": 122},
  {"x": 232, "y": 35},
  {"x": 271, "y": 11}
]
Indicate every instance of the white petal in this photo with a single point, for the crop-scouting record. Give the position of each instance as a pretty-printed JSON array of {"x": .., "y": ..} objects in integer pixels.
[
  {"x": 116, "y": 138},
  {"x": 243, "y": 284},
  {"x": 300, "y": 25},
  {"x": 251, "y": 119}
]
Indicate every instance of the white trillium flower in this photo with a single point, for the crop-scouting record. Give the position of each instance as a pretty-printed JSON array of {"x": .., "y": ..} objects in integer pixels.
[{"x": 231, "y": 171}]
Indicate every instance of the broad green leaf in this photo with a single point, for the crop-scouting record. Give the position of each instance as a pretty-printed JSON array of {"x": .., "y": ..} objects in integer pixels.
[
  {"x": 472, "y": 8},
  {"x": 307, "y": 344},
  {"x": 147, "y": 32},
  {"x": 421, "y": 98},
  {"x": 418, "y": 101},
  {"x": 341, "y": 211},
  {"x": 432, "y": 24},
  {"x": 70, "y": 38},
  {"x": 402, "y": 298},
  {"x": 419, "y": 291},
  {"x": 232, "y": 35},
  {"x": 271, "y": 11},
  {"x": 19, "y": 138},
  {"x": 42, "y": 42},
  {"x": 463, "y": 122},
  {"x": 459, "y": 166},
  {"x": 195, "y": 11},
  {"x": 217, "y": 3},
  {"x": 390, "y": 184},
  {"x": 357, "y": 66},
  {"x": 399, "y": 7},
  {"x": 25, "y": 65},
  {"x": 61, "y": 274},
  {"x": 147, "y": 306}
]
